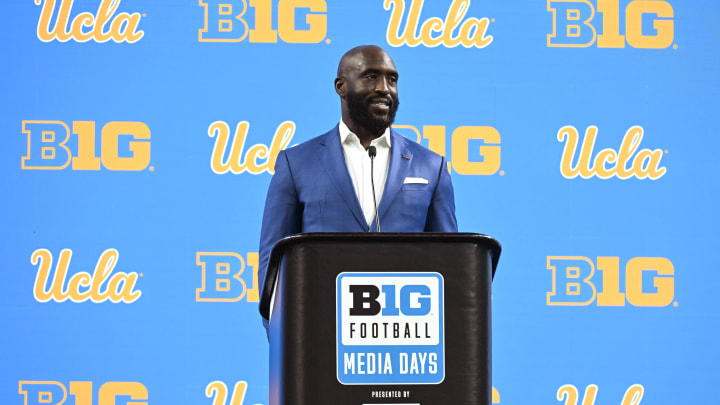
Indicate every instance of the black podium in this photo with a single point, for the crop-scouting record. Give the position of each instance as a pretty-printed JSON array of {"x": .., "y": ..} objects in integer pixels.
[{"x": 380, "y": 318}]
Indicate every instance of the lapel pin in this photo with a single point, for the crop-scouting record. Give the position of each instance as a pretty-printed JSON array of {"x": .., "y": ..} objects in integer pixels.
[{"x": 406, "y": 157}]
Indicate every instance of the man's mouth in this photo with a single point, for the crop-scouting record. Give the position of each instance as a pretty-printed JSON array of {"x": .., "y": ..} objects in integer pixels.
[{"x": 381, "y": 103}]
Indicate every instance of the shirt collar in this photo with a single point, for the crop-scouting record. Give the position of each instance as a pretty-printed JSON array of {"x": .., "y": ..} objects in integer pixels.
[{"x": 345, "y": 132}]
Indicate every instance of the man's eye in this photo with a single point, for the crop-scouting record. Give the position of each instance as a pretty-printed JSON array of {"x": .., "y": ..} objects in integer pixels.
[{"x": 370, "y": 76}]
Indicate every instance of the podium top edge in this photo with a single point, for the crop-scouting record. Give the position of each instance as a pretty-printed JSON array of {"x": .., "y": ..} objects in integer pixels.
[
  {"x": 390, "y": 237},
  {"x": 476, "y": 238}
]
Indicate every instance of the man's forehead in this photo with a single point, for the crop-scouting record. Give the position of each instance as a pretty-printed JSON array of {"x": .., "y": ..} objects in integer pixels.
[{"x": 370, "y": 58}]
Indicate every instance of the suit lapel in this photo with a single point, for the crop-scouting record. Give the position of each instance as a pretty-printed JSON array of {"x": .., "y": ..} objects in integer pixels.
[
  {"x": 400, "y": 158},
  {"x": 333, "y": 161}
]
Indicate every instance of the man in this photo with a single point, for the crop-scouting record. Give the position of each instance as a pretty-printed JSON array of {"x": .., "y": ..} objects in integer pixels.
[{"x": 325, "y": 184}]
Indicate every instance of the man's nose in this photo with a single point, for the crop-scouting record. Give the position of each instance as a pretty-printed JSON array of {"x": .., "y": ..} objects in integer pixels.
[{"x": 381, "y": 85}]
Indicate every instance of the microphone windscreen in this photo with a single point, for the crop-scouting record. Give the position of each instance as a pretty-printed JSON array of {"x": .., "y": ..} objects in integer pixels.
[{"x": 372, "y": 151}]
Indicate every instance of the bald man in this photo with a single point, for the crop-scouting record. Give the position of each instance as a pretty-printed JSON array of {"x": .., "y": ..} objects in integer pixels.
[{"x": 326, "y": 184}]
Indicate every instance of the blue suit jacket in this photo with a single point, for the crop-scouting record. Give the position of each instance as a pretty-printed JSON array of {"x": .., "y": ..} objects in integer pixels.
[{"x": 312, "y": 191}]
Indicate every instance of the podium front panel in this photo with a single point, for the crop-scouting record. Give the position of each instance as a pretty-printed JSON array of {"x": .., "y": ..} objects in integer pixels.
[{"x": 382, "y": 319}]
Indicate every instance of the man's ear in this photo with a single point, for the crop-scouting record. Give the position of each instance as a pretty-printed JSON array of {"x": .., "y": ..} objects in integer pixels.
[{"x": 340, "y": 88}]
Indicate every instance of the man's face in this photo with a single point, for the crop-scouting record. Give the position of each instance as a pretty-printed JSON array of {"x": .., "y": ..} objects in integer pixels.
[{"x": 372, "y": 94}]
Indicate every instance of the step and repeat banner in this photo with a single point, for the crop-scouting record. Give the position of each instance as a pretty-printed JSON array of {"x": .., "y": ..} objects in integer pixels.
[{"x": 139, "y": 138}]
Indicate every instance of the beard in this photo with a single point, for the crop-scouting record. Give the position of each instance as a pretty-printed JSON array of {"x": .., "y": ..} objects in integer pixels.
[{"x": 359, "y": 108}]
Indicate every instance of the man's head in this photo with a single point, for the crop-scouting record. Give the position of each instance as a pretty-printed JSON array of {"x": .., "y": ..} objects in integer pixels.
[{"x": 367, "y": 85}]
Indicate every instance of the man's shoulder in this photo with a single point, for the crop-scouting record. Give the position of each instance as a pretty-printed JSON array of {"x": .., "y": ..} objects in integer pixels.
[{"x": 313, "y": 144}]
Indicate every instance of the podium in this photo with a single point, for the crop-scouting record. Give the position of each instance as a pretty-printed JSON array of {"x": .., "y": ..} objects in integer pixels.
[{"x": 380, "y": 318}]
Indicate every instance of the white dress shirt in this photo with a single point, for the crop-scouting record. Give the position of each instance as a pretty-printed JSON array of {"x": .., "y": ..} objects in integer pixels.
[{"x": 357, "y": 161}]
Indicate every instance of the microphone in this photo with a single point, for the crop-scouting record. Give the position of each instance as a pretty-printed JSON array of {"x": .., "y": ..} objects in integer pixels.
[{"x": 372, "y": 152}]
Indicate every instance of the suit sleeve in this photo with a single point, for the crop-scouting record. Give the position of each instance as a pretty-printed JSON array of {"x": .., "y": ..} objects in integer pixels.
[
  {"x": 282, "y": 215},
  {"x": 441, "y": 213}
]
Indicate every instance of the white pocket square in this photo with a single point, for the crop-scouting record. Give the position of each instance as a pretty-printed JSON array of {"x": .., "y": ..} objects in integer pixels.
[{"x": 415, "y": 180}]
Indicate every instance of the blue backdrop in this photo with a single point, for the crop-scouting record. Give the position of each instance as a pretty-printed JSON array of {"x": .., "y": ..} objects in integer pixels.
[{"x": 139, "y": 143}]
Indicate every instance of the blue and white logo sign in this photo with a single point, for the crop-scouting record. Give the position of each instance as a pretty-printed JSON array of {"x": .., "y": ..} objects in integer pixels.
[{"x": 390, "y": 328}]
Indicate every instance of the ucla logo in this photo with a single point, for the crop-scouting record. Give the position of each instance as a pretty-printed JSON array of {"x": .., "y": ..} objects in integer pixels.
[
  {"x": 123, "y": 146},
  {"x": 238, "y": 161},
  {"x": 225, "y": 21},
  {"x": 100, "y": 286},
  {"x": 453, "y": 31},
  {"x": 225, "y": 279},
  {"x": 570, "y": 395},
  {"x": 648, "y": 281},
  {"x": 103, "y": 26},
  {"x": 218, "y": 391},
  {"x": 484, "y": 140},
  {"x": 628, "y": 161},
  {"x": 573, "y": 24},
  {"x": 390, "y": 328},
  {"x": 55, "y": 393}
]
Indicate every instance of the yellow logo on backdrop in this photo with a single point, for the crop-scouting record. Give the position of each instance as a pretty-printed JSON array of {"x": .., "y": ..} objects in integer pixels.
[
  {"x": 102, "y": 285},
  {"x": 570, "y": 394},
  {"x": 55, "y": 393},
  {"x": 453, "y": 31},
  {"x": 627, "y": 162},
  {"x": 47, "y": 147},
  {"x": 224, "y": 21},
  {"x": 485, "y": 162},
  {"x": 221, "y": 277},
  {"x": 573, "y": 284},
  {"x": 229, "y": 154},
  {"x": 236, "y": 163},
  {"x": 218, "y": 391},
  {"x": 573, "y": 24},
  {"x": 102, "y": 26}
]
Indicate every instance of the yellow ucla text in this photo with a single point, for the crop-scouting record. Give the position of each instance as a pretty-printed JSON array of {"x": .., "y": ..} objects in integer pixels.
[
  {"x": 225, "y": 21},
  {"x": 573, "y": 24},
  {"x": 218, "y": 391},
  {"x": 647, "y": 282},
  {"x": 628, "y": 161},
  {"x": 236, "y": 163},
  {"x": 453, "y": 31},
  {"x": 102, "y": 285},
  {"x": 55, "y": 393},
  {"x": 102, "y": 26},
  {"x": 224, "y": 278},
  {"x": 486, "y": 141},
  {"x": 48, "y": 149},
  {"x": 570, "y": 395},
  {"x": 495, "y": 396}
]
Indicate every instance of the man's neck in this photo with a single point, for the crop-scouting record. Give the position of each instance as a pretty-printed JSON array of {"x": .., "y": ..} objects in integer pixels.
[{"x": 365, "y": 135}]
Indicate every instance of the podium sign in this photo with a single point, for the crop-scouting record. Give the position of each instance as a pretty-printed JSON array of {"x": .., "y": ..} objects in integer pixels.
[
  {"x": 390, "y": 328},
  {"x": 378, "y": 318}
]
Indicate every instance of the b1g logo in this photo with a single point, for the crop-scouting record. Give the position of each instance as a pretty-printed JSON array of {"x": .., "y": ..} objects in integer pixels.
[
  {"x": 390, "y": 328},
  {"x": 227, "y": 278},
  {"x": 648, "y": 281},
  {"x": 475, "y": 149},
  {"x": 225, "y": 21},
  {"x": 55, "y": 393},
  {"x": 648, "y": 24},
  {"x": 123, "y": 146}
]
